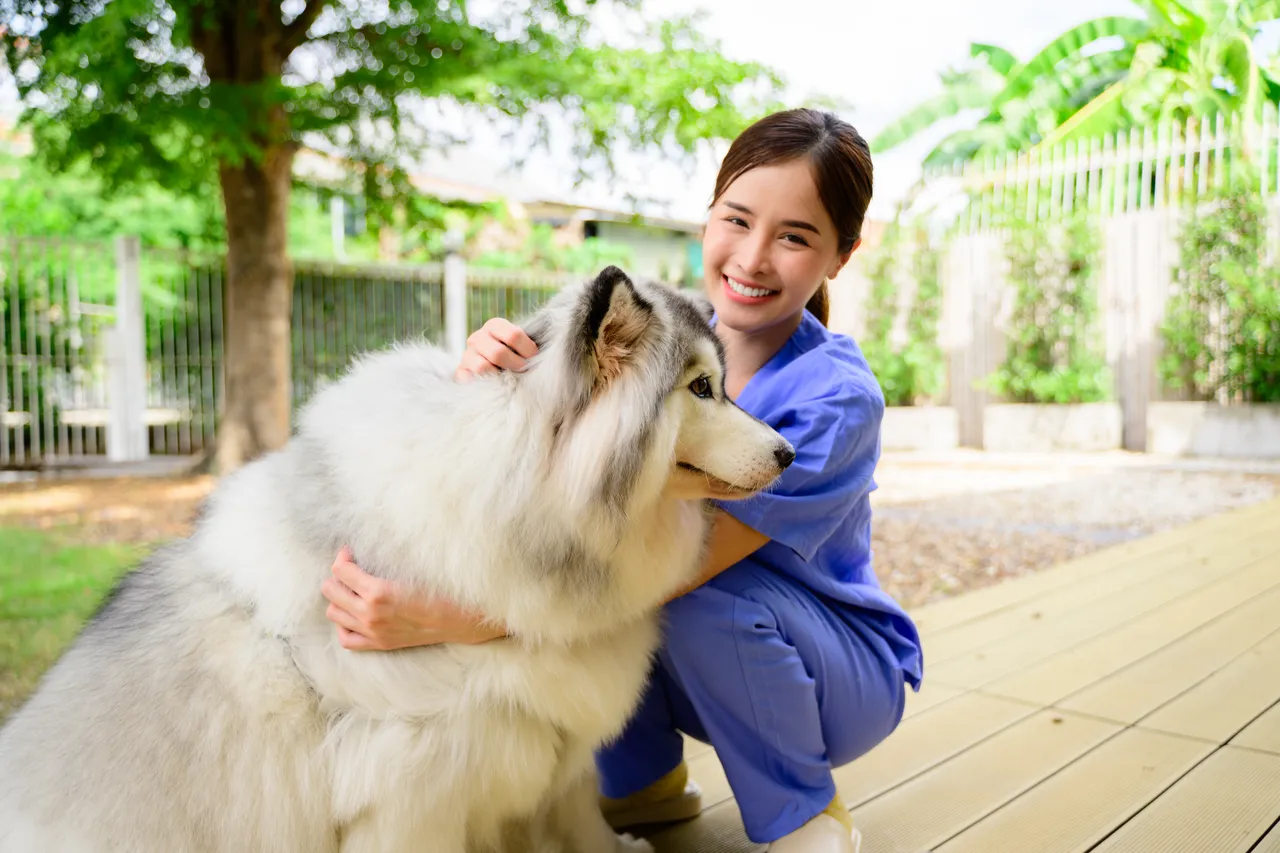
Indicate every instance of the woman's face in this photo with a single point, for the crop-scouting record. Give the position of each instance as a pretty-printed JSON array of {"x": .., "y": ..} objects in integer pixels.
[{"x": 768, "y": 244}]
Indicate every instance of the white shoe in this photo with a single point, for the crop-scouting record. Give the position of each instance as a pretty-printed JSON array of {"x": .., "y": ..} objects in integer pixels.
[{"x": 823, "y": 834}]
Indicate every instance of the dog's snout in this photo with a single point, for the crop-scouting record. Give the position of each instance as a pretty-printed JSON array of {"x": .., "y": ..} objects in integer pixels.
[{"x": 784, "y": 454}]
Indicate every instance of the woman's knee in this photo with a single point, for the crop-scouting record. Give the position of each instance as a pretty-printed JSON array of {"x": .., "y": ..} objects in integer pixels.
[{"x": 756, "y": 631}]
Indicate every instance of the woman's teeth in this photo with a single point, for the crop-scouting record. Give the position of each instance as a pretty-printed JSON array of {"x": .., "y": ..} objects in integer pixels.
[{"x": 739, "y": 287}]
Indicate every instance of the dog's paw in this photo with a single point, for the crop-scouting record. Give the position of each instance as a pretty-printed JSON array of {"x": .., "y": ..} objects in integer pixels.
[{"x": 628, "y": 844}]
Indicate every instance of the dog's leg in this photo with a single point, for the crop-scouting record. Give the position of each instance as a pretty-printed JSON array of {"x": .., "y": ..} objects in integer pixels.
[{"x": 579, "y": 822}]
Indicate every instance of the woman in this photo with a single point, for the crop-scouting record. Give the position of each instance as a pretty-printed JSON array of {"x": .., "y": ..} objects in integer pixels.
[{"x": 786, "y": 655}]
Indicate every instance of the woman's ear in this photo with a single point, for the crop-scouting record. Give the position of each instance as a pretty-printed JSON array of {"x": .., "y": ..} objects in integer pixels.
[{"x": 843, "y": 259}]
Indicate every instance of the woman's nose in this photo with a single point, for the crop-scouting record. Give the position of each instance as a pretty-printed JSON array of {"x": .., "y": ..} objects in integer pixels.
[{"x": 754, "y": 255}]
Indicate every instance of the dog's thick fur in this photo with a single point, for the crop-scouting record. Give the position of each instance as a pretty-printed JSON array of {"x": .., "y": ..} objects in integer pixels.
[{"x": 208, "y": 705}]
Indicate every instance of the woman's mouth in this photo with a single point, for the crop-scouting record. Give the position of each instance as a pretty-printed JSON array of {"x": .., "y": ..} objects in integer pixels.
[{"x": 748, "y": 294}]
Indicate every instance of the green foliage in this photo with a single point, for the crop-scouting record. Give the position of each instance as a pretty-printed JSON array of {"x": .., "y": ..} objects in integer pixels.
[
  {"x": 1050, "y": 355},
  {"x": 79, "y": 206},
  {"x": 1108, "y": 74},
  {"x": 170, "y": 92},
  {"x": 540, "y": 252},
  {"x": 75, "y": 204},
  {"x": 1221, "y": 331},
  {"x": 901, "y": 342}
]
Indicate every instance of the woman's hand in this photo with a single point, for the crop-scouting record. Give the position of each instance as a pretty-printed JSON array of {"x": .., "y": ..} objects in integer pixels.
[
  {"x": 376, "y": 614},
  {"x": 497, "y": 345}
]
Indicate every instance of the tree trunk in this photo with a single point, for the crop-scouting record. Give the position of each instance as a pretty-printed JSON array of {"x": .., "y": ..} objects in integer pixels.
[{"x": 258, "y": 299}]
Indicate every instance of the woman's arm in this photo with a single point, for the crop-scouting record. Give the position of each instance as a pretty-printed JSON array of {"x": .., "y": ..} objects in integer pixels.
[
  {"x": 729, "y": 542},
  {"x": 376, "y": 614}
]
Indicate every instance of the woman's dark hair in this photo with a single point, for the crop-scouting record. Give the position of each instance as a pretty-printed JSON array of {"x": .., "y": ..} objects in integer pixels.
[{"x": 841, "y": 163}]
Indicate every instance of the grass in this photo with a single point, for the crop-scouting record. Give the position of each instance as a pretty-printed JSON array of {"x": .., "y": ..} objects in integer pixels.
[{"x": 48, "y": 588}]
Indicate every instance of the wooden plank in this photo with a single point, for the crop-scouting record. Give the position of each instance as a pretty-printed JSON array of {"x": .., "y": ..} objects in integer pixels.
[
  {"x": 1087, "y": 800},
  {"x": 938, "y": 804},
  {"x": 1136, "y": 690},
  {"x": 921, "y": 740},
  {"x": 1271, "y": 843},
  {"x": 1014, "y": 621},
  {"x": 717, "y": 830},
  {"x": 1218, "y": 579},
  {"x": 1225, "y": 804},
  {"x": 944, "y": 726},
  {"x": 930, "y": 695},
  {"x": 924, "y": 741},
  {"x": 935, "y": 617},
  {"x": 694, "y": 747},
  {"x": 1263, "y": 733},
  {"x": 1227, "y": 701},
  {"x": 1126, "y": 672}
]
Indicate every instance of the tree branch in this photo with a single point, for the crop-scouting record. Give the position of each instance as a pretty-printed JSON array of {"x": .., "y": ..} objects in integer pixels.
[
  {"x": 204, "y": 34},
  {"x": 295, "y": 32}
]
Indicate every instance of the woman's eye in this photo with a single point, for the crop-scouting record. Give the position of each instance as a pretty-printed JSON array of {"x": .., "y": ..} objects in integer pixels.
[
  {"x": 734, "y": 220},
  {"x": 796, "y": 238},
  {"x": 701, "y": 387}
]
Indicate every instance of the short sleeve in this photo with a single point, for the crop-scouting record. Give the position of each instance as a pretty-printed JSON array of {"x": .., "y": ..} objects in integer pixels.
[{"x": 837, "y": 442}]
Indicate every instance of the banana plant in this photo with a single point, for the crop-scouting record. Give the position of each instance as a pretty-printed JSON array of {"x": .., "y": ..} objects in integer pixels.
[
  {"x": 1183, "y": 58},
  {"x": 1187, "y": 59},
  {"x": 970, "y": 88}
]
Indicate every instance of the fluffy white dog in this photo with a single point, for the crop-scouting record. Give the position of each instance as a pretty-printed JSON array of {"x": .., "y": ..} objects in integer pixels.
[{"x": 208, "y": 707}]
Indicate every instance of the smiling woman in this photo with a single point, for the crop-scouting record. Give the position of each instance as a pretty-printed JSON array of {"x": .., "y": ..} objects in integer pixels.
[
  {"x": 785, "y": 190},
  {"x": 786, "y": 655}
]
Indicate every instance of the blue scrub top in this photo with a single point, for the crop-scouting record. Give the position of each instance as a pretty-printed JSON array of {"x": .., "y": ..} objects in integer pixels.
[{"x": 819, "y": 393}]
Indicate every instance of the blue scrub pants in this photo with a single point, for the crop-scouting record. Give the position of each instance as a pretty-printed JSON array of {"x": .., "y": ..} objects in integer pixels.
[{"x": 782, "y": 686}]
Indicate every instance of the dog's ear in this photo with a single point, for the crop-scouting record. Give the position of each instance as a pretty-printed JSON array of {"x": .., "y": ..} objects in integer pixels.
[
  {"x": 615, "y": 320},
  {"x": 700, "y": 303}
]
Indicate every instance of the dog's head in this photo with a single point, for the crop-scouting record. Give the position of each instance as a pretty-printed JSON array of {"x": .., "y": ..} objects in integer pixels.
[{"x": 641, "y": 407}]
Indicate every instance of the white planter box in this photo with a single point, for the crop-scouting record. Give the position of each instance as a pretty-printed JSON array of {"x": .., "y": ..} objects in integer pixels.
[
  {"x": 1043, "y": 427},
  {"x": 919, "y": 428},
  {"x": 1245, "y": 431}
]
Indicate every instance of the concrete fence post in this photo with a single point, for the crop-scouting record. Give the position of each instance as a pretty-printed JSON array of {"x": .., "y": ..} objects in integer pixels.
[
  {"x": 455, "y": 293},
  {"x": 127, "y": 361}
]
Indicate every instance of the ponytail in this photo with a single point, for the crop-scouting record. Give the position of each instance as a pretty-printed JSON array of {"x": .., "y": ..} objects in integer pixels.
[{"x": 819, "y": 304}]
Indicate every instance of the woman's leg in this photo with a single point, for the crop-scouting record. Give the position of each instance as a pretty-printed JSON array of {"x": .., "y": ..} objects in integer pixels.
[{"x": 783, "y": 688}]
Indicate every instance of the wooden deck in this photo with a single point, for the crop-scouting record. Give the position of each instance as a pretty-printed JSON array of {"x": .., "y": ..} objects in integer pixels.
[{"x": 1126, "y": 702}]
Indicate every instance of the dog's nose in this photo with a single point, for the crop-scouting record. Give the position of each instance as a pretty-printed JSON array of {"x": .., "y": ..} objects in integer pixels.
[{"x": 784, "y": 454}]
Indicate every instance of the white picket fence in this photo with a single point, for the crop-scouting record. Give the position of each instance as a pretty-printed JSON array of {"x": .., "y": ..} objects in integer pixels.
[{"x": 1139, "y": 186}]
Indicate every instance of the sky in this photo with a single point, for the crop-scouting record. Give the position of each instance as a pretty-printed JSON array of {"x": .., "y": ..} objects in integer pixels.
[{"x": 880, "y": 57}]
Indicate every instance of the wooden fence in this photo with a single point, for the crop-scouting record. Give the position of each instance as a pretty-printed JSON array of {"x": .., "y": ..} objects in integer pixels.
[{"x": 1138, "y": 187}]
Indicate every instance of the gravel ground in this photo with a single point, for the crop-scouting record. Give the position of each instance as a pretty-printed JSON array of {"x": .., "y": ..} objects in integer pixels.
[
  {"x": 956, "y": 522},
  {"x": 944, "y": 523}
]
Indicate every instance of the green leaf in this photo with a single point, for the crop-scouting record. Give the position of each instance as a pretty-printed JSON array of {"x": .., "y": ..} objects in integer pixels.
[
  {"x": 1001, "y": 60},
  {"x": 968, "y": 95},
  {"x": 1257, "y": 11},
  {"x": 1067, "y": 45},
  {"x": 1175, "y": 14}
]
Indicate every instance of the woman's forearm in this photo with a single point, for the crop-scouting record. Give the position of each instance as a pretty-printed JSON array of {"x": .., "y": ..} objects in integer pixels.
[{"x": 729, "y": 542}]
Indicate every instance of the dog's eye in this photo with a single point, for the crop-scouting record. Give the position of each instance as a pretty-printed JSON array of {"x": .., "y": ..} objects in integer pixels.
[{"x": 701, "y": 387}]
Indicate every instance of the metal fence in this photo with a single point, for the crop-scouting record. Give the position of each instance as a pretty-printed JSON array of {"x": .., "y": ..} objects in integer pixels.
[
  {"x": 56, "y": 308},
  {"x": 62, "y": 359}
]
